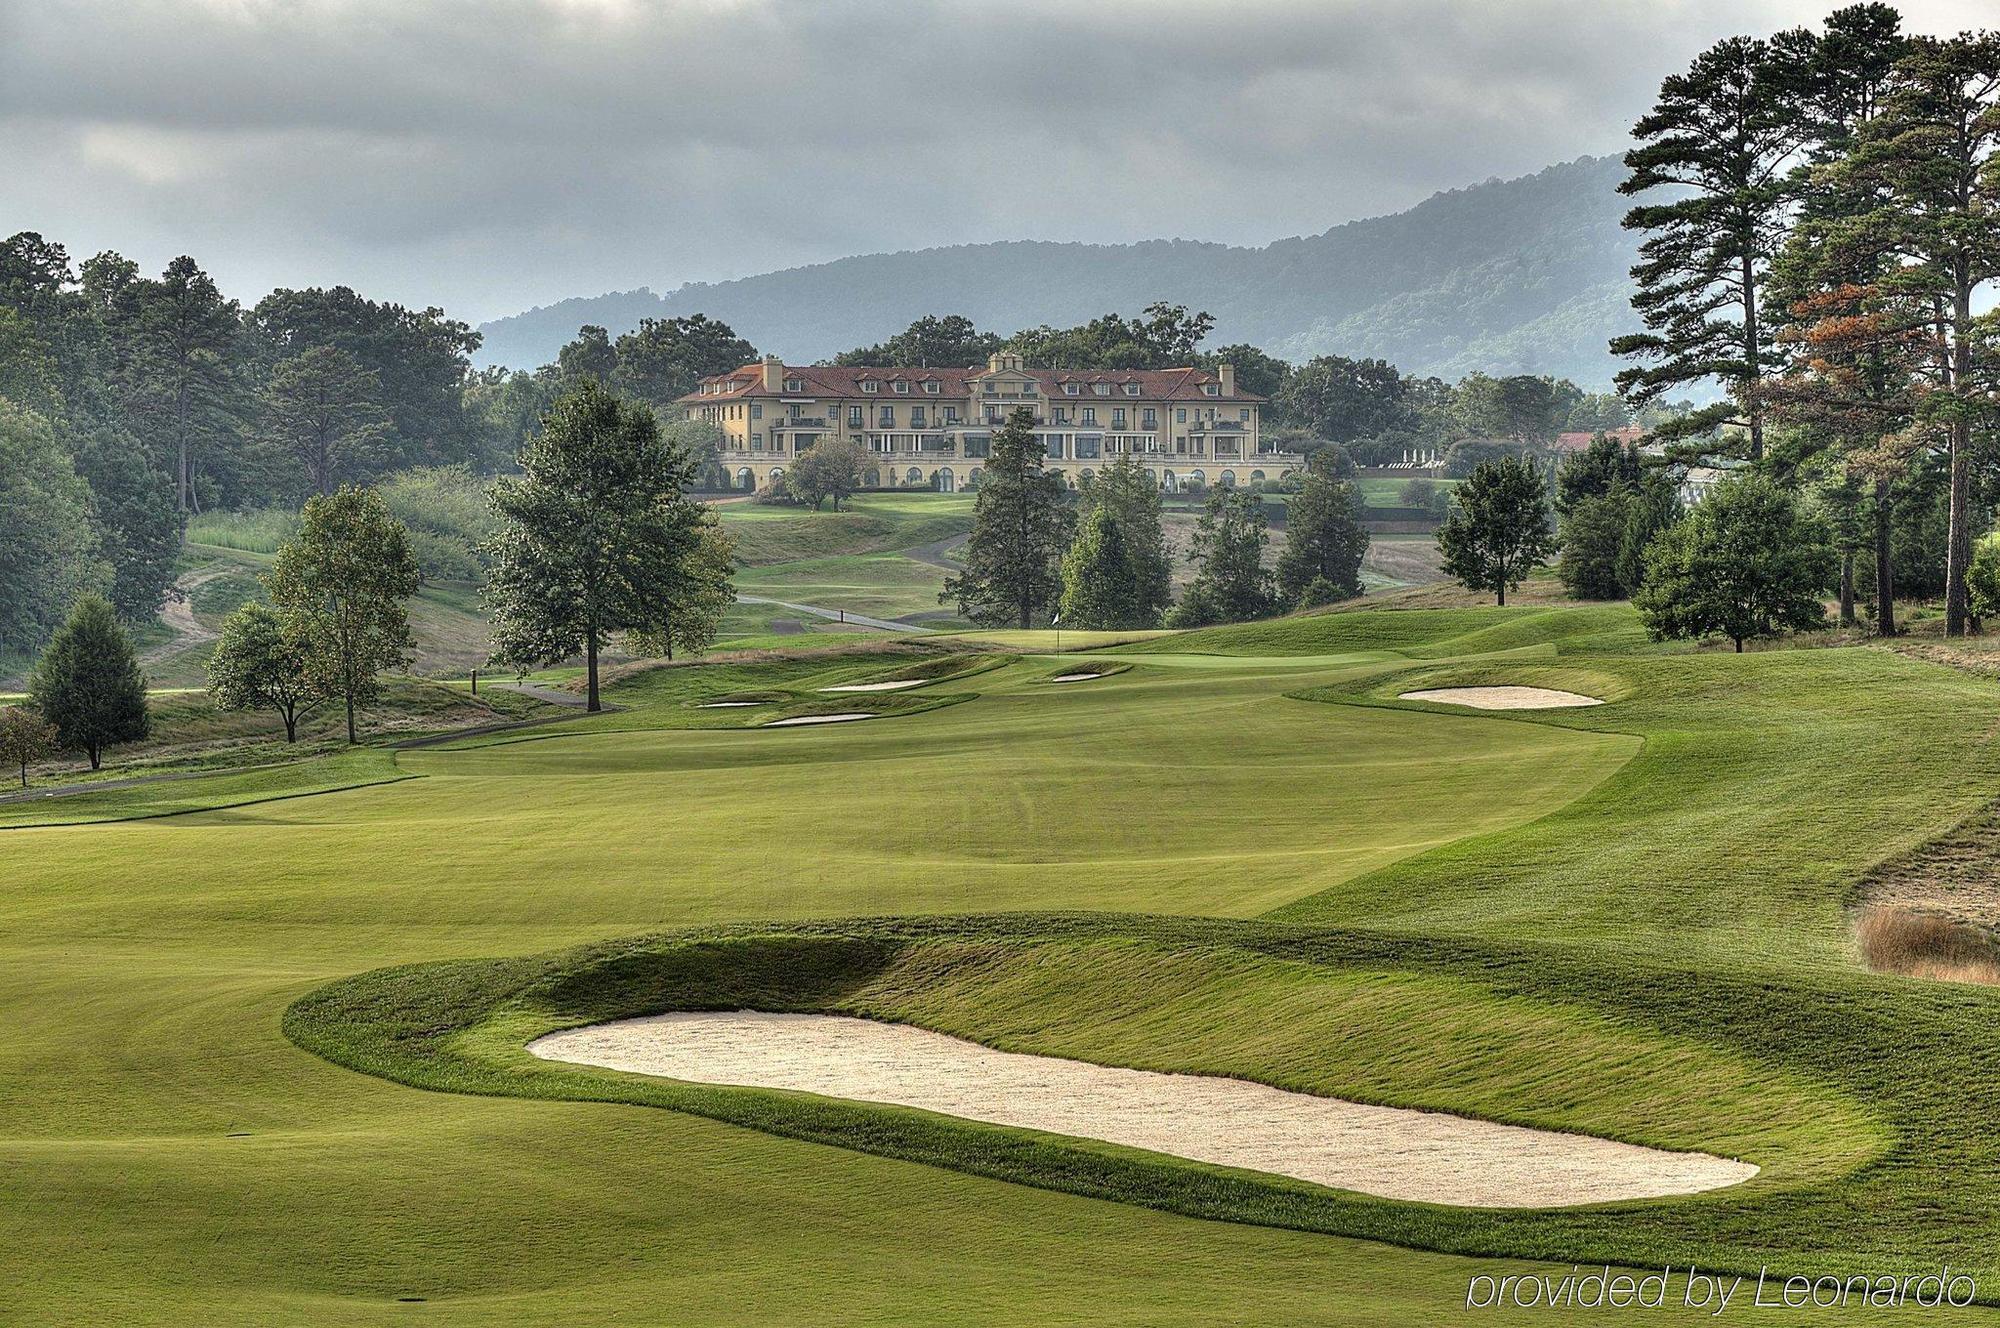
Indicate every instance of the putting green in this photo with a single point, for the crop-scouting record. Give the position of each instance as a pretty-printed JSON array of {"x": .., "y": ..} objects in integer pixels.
[{"x": 166, "y": 1155}]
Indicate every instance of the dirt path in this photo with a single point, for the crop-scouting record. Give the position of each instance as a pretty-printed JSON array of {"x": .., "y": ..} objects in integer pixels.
[
  {"x": 838, "y": 615},
  {"x": 178, "y": 614},
  {"x": 936, "y": 552}
]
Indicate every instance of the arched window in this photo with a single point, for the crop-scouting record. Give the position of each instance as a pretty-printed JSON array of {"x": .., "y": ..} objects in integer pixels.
[
  {"x": 914, "y": 476},
  {"x": 745, "y": 480},
  {"x": 972, "y": 480},
  {"x": 1167, "y": 480},
  {"x": 945, "y": 482},
  {"x": 871, "y": 479}
]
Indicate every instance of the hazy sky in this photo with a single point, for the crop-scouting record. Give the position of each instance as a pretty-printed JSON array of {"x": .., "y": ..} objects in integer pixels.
[{"x": 487, "y": 155}]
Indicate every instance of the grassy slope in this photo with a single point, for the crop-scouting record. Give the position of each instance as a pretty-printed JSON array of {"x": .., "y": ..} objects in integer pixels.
[{"x": 1202, "y": 790}]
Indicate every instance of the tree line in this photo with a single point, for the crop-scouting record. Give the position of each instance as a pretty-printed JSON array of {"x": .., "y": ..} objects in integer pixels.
[
  {"x": 596, "y": 536},
  {"x": 1102, "y": 560}
]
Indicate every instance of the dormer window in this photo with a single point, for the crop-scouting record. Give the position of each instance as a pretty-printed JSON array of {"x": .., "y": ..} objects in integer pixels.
[
  {"x": 931, "y": 388},
  {"x": 870, "y": 385},
  {"x": 900, "y": 388},
  {"x": 1211, "y": 389},
  {"x": 1102, "y": 389},
  {"x": 794, "y": 385},
  {"x": 1131, "y": 389},
  {"x": 1071, "y": 390}
]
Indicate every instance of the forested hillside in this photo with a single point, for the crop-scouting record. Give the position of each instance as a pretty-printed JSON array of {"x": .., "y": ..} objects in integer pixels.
[{"x": 1515, "y": 276}]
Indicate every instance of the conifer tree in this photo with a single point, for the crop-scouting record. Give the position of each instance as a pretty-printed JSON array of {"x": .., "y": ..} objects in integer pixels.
[
  {"x": 1020, "y": 528},
  {"x": 1324, "y": 540},
  {"x": 1099, "y": 591},
  {"x": 87, "y": 684},
  {"x": 1128, "y": 491}
]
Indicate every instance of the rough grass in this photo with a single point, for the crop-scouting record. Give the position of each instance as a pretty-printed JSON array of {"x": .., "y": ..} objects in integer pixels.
[{"x": 871, "y": 523}]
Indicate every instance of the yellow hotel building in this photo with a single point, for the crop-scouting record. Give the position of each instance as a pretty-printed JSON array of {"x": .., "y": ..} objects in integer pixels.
[{"x": 933, "y": 428}]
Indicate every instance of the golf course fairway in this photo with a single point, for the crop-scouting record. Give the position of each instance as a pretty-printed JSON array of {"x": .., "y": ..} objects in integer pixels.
[{"x": 265, "y": 1059}]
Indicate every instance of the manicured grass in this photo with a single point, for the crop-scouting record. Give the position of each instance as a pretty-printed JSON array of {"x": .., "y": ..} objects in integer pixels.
[
  {"x": 870, "y": 523},
  {"x": 1626, "y": 919},
  {"x": 882, "y": 585}
]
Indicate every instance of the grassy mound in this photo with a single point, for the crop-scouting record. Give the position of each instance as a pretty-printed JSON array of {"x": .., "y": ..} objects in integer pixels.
[{"x": 1318, "y": 1014}]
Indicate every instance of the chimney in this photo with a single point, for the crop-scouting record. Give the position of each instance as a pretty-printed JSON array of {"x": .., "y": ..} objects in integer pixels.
[
  {"x": 774, "y": 373},
  {"x": 1228, "y": 372}
]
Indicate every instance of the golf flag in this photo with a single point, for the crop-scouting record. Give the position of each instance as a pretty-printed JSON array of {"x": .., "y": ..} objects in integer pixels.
[{"x": 1054, "y": 620}]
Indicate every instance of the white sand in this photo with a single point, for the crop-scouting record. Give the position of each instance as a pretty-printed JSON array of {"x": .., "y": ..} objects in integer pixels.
[
  {"x": 1503, "y": 698},
  {"x": 1075, "y": 677},
  {"x": 727, "y": 705},
  {"x": 815, "y": 719},
  {"x": 878, "y": 686},
  {"x": 1385, "y": 1151}
]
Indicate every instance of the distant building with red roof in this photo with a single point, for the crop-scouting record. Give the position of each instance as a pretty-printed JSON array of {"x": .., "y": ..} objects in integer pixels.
[
  {"x": 933, "y": 428},
  {"x": 1578, "y": 440}
]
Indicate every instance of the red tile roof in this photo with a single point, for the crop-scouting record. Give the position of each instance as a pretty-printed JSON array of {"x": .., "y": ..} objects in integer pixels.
[
  {"x": 820, "y": 380},
  {"x": 1578, "y": 440}
]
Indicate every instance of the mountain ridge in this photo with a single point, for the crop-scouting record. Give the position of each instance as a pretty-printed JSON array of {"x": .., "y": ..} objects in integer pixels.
[{"x": 1527, "y": 275}]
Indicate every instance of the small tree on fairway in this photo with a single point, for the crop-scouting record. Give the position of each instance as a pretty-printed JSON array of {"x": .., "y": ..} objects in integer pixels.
[
  {"x": 1020, "y": 528},
  {"x": 1099, "y": 591},
  {"x": 1230, "y": 583},
  {"x": 87, "y": 683},
  {"x": 1743, "y": 563},
  {"x": 339, "y": 588},
  {"x": 256, "y": 666},
  {"x": 1128, "y": 491},
  {"x": 1498, "y": 530},
  {"x": 830, "y": 468},
  {"x": 25, "y": 737},
  {"x": 1324, "y": 541},
  {"x": 596, "y": 535},
  {"x": 697, "y": 591}
]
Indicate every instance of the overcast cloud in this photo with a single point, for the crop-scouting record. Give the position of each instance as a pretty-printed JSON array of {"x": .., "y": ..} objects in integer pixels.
[{"x": 487, "y": 155}]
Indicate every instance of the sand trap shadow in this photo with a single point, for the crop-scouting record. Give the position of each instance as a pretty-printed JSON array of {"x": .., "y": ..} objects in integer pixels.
[
  {"x": 797, "y": 720},
  {"x": 1385, "y": 1151},
  {"x": 1502, "y": 698}
]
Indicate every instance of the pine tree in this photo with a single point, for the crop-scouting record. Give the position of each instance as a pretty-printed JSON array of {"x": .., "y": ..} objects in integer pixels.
[
  {"x": 1099, "y": 590},
  {"x": 1721, "y": 140},
  {"x": 1230, "y": 582},
  {"x": 1020, "y": 528},
  {"x": 1324, "y": 541},
  {"x": 339, "y": 588},
  {"x": 1930, "y": 161},
  {"x": 87, "y": 684},
  {"x": 1498, "y": 530},
  {"x": 1130, "y": 494}
]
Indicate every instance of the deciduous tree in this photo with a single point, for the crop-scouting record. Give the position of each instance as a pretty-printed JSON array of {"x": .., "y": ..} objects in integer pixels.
[
  {"x": 339, "y": 589},
  {"x": 1744, "y": 563},
  {"x": 25, "y": 737},
  {"x": 322, "y": 410},
  {"x": 830, "y": 468},
  {"x": 257, "y": 666},
  {"x": 597, "y": 536},
  {"x": 1498, "y": 530}
]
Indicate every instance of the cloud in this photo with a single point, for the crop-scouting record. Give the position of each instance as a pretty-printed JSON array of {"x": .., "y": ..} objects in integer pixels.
[{"x": 488, "y": 154}]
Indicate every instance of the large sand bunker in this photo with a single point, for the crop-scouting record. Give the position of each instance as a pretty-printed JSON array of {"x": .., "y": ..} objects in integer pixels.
[
  {"x": 897, "y": 685},
  {"x": 1385, "y": 1151},
  {"x": 1502, "y": 698}
]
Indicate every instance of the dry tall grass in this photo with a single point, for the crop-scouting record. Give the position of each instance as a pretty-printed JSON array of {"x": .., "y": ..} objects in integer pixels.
[{"x": 1926, "y": 945}]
